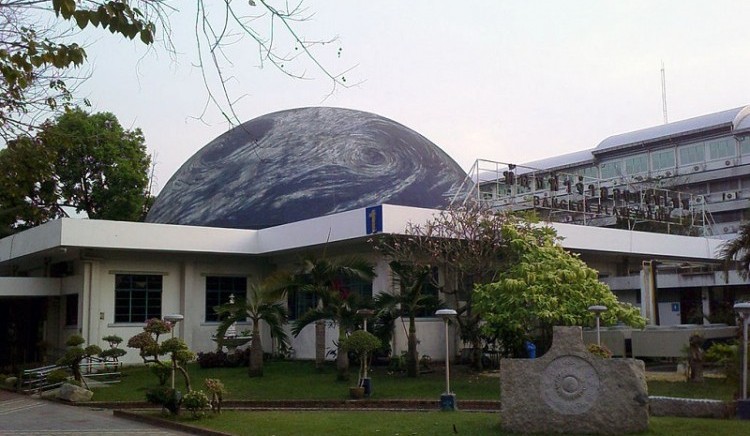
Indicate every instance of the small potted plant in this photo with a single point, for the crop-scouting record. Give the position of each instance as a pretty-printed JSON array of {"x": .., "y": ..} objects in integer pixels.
[{"x": 361, "y": 343}]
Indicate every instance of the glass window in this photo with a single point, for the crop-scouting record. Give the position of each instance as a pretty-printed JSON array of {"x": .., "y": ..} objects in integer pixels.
[
  {"x": 745, "y": 145},
  {"x": 137, "y": 297},
  {"x": 721, "y": 148},
  {"x": 611, "y": 169},
  {"x": 662, "y": 159},
  {"x": 693, "y": 153},
  {"x": 218, "y": 290},
  {"x": 590, "y": 172},
  {"x": 299, "y": 302},
  {"x": 637, "y": 164},
  {"x": 431, "y": 289},
  {"x": 71, "y": 309}
]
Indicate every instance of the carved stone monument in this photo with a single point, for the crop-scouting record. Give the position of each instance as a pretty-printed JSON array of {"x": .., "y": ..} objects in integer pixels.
[{"x": 569, "y": 390}]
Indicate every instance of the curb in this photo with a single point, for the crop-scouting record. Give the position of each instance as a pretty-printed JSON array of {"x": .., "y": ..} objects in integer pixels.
[{"x": 163, "y": 423}]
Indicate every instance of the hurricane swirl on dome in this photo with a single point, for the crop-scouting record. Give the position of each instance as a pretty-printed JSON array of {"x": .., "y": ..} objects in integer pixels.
[{"x": 305, "y": 163}]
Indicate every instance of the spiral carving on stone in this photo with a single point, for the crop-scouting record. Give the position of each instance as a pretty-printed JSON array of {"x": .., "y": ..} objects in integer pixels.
[{"x": 570, "y": 385}]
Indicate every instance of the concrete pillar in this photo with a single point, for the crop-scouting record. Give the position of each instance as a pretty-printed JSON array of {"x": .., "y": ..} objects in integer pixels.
[{"x": 648, "y": 292}]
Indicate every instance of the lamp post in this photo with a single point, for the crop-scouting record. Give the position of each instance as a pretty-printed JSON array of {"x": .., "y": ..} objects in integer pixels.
[
  {"x": 365, "y": 313},
  {"x": 448, "y": 399},
  {"x": 598, "y": 309},
  {"x": 743, "y": 309},
  {"x": 173, "y": 319}
]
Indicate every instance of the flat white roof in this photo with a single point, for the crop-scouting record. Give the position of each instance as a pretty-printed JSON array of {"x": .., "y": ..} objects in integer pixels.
[{"x": 345, "y": 226}]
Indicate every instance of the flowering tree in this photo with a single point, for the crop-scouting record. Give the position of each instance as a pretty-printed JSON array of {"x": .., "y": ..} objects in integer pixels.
[{"x": 150, "y": 349}]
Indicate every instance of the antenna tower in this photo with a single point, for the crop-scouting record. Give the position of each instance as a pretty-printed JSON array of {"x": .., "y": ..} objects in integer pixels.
[{"x": 664, "y": 93}]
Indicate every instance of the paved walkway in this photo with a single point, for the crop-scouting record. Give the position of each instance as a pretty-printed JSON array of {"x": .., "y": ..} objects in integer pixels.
[{"x": 24, "y": 415}]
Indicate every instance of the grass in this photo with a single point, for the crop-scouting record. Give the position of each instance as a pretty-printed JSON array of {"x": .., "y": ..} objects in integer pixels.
[
  {"x": 300, "y": 380},
  {"x": 418, "y": 423}
]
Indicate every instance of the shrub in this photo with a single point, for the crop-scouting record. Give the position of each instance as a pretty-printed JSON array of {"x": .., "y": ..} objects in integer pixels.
[
  {"x": 196, "y": 402},
  {"x": 167, "y": 397},
  {"x": 163, "y": 371},
  {"x": 599, "y": 350},
  {"x": 727, "y": 357},
  {"x": 58, "y": 376},
  {"x": 217, "y": 390}
]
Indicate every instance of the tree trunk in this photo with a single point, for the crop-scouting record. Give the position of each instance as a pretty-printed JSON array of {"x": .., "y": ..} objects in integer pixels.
[
  {"x": 320, "y": 343},
  {"x": 342, "y": 358},
  {"x": 185, "y": 375},
  {"x": 255, "y": 368},
  {"x": 412, "y": 355}
]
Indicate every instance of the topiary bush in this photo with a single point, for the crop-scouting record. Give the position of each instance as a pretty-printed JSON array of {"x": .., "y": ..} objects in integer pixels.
[
  {"x": 196, "y": 402},
  {"x": 166, "y": 397}
]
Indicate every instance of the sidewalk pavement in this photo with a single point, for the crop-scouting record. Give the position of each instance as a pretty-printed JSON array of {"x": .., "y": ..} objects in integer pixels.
[{"x": 24, "y": 415}]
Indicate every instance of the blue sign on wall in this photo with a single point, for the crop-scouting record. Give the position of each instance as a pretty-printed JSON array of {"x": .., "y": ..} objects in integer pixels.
[{"x": 374, "y": 219}]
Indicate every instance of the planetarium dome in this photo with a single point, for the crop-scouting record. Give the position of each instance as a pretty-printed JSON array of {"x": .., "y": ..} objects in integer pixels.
[{"x": 305, "y": 163}]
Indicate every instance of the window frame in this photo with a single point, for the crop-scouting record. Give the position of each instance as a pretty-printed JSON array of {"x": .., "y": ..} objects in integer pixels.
[
  {"x": 124, "y": 292},
  {"x": 236, "y": 285}
]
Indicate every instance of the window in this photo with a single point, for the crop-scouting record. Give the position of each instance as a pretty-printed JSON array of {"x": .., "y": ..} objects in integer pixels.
[
  {"x": 611, "y": 169},
  {"x": 431, "y": 289},
  {"x": 218, "y": 290},
  {"x": 591, "y": 172},
  {"x": 662, "y": 159},
  {"x": 637, "y": 164},
  {"x": 71, "y": 310},
  {"x": 721, "y": 148},
  {"x": 693, "y": 153},
  {"x": 744, "y": 145},
  {"x": 137, "y": 297},
  {"x": 299, "y": 302}
]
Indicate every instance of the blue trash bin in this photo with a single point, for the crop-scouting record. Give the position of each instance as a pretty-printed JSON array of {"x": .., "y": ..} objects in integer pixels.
[{"x": 530, "y": 350}]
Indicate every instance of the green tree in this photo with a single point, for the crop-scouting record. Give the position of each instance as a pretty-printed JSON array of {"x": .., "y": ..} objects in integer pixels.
[
  {"x": 738, "y": 249},
  {"x": 85, "y": 161},
  {"x": 467, "y": 244},
  {"x": 75, "y": 353},
  {"x": 323, "y": 278},
  {"x": 262, "y": 304},
  {"x": 409, "y": 301},
  {"x": 39, "y": 53},
  {"x": 547, "y": 286},
  {"x": 147, "y": 343}
]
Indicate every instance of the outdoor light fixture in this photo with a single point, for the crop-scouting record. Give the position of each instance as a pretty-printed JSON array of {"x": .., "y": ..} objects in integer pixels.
[
  {"x": 743, "y": 309},
  {"x": 173, "y": 319},
  {"x": 448, "y": 399},
  {"x": 598, "y": 309},
  {"x": 365, "y": 313}
]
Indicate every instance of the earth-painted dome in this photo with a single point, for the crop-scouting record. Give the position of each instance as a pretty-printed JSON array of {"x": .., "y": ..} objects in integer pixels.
[{"x": 305, "y": 163}]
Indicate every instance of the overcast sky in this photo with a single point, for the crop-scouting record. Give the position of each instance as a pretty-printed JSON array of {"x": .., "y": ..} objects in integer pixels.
[{"x": 511, "y": 81}]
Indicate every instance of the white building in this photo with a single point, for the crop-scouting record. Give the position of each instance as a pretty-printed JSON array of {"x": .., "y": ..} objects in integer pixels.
[{"x": 99, "y": 278}]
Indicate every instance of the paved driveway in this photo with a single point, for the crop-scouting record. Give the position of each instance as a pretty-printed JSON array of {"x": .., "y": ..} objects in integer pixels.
[{"x": 24, "y": 415}]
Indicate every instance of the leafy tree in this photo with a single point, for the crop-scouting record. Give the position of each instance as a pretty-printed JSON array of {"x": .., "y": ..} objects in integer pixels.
[
  {"x": 85, "y": 161},
  {"x": 547, "y": 286},
  {"x": 262, "y": 304},
  {"x": 75, "y": 353},
  {"x": 38, "y": 52},
  {"x": 322, "y": 278},
  {"x": 738, "y": 249},
  {"x": 409, "y": 301},
  {"x": 147, "y": 343},
  {"x": 467, "y": 244}
]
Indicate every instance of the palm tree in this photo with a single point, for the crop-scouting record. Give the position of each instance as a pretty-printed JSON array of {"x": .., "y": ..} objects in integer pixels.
[
  {"x": 738, "y": 249},
  {"x": 262, "y": 304},
  {"x": 409, "y": 302},
  {"x": 323, "y": 278}
]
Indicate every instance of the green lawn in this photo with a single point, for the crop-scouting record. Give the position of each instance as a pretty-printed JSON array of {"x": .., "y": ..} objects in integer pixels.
[
  {"x": 285, "y": 380},
  {"x": 290, "y": 380},
  {"x": 418, "y": 423}
]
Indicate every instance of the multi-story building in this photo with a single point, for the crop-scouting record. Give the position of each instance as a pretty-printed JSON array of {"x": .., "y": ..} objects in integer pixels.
[{"x": 690, "y": 176}]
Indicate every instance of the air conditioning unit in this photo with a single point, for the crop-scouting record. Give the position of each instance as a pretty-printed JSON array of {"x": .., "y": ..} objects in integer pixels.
[
  {"x": 729, "y": 229},
  {"x": 728, "y": 196},
  {"x": 698, "y": 199},
  {"x": 696, "y": 168},
  {"x": 668, "y": 174},
  {"x": 727, "y": 162}
]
